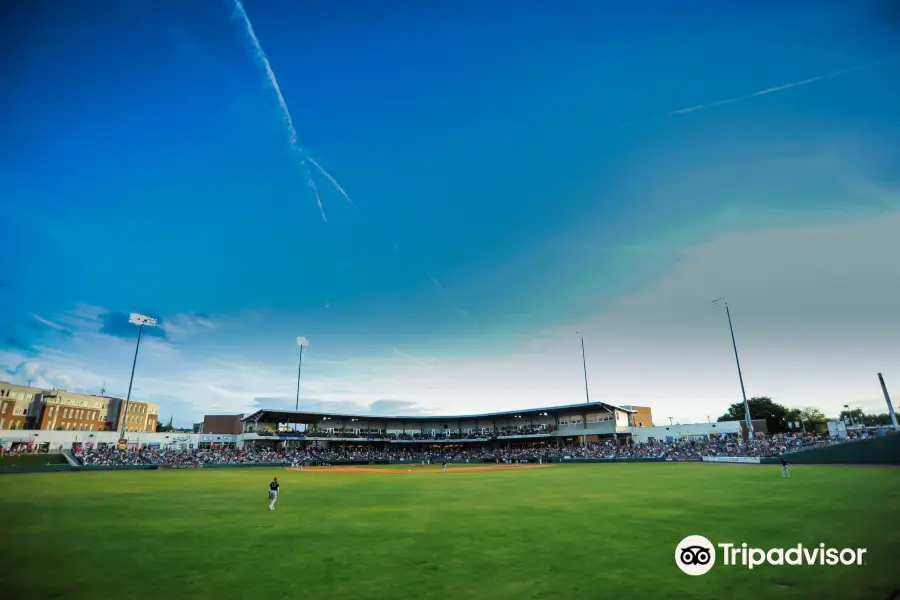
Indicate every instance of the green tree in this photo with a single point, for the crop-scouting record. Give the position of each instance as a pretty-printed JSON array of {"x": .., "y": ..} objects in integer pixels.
[
  {"x": 813, "y": 419},
  {"x": 761, "y": 407}
]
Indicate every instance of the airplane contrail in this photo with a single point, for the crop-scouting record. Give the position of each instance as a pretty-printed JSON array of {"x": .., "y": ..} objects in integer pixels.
[
  {"x": 289, "y": 121},
  {"x": 305, "y": 159},
  {"x": 313, "y": 187},
  {"x": 335, "y": 183},
  {"x": 780, "y": 88}
]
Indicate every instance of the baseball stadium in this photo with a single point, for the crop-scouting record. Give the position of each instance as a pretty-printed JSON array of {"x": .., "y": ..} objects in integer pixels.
[
  {"x": 586, "y": 500},
  {"x": 466, "y": 207}
]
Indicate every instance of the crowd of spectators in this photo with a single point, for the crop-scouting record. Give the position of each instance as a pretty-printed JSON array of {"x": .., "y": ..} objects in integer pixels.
[
  {"x": 681, "y": 449},
  {"x": 684, "y": 449},
  {"x": 448, "y": 434},
  {"x": 109, "y": 456}
]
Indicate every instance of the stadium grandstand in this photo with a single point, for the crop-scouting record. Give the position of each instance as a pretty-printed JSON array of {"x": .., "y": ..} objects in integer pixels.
[{"x": 593, "y": 422}]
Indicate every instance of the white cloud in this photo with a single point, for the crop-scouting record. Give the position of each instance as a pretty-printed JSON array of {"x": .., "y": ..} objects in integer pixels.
[
  {"x": 84, "y": 317},
  {"x": 186, "y": 325},
  {"x": 48, "y": 323}
]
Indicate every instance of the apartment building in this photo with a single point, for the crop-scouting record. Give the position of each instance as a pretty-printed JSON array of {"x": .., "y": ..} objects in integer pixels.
[
  {"x": 24, "y": 407},
  {"x": 17, "y": 405},
  {"x": 142, "y": 416},
  {"x": 68, "y": 411}
]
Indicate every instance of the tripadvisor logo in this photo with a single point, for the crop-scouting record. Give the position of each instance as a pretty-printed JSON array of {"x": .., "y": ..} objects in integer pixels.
[{"x": 696, "y": 555}]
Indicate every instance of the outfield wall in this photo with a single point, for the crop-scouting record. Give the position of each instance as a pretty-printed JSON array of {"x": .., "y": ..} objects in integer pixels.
[{"x": 882, "y": 450}]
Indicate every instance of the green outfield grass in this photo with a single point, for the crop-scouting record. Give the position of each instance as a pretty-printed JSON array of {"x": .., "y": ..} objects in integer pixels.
[{"x": 570, "y": 531}]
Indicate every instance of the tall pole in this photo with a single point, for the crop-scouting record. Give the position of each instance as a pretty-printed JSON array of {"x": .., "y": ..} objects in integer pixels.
[
  {"x": 587, "y": 395},
  {"x": 301, "y": 341},
  {"x": 299, "y": 367},
  {"x": 130, "y": 381},
  {"x": 887, "y": 398},
  {"x": 737, "y": 360}
]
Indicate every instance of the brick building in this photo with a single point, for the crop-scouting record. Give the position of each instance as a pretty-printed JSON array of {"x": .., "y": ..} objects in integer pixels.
[
  {"x": 641, "y": 417},
  {"x": 142, "y": 416},
  {"x": 223, "y": 424},
  {"x": 68, "y": 411},
  {"x": 17, "y": 405}
]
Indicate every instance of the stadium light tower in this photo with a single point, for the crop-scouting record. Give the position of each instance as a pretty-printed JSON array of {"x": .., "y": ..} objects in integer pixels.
[
  {"x": 587, "y": 395},
  {"x": 302, "y": 342},
  {"x": 887, "y": 398},
  {"x": 141, "y": 321},
  {"x": 723, "y": 302}
]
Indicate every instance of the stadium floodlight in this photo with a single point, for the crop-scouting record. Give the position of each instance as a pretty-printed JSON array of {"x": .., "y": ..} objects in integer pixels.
[
  {"x": 723, "y": 302},
  {"x": 587, "y": 395},
  {"x": 141, "y": 321},
  {"x": 302, "y": 342}
]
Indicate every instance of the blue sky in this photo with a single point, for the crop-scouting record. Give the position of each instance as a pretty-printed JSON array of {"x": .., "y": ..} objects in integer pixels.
[{"x": 521, "y": 172}]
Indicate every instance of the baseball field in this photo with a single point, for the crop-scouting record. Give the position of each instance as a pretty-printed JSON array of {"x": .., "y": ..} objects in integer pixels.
[{"x": 567, "y": 531}]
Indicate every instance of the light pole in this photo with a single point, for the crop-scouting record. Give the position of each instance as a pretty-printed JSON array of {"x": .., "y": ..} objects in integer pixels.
[
  {"x": 141, "y": 321},
  {"x": 302, "y": 342},
  {"x": 738, "y": 361},
  {"x": 887, "y": 398},
  {"x": 587, "y": 395}
]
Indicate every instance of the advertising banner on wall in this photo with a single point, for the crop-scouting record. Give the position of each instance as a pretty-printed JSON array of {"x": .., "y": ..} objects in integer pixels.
[{"x": 749, "y": 460}]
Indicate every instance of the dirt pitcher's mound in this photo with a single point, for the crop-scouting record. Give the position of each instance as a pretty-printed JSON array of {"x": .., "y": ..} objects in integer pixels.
[{"x": 420, "y": 469}]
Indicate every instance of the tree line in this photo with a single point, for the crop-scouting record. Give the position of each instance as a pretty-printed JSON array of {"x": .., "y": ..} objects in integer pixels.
[{"x": 778, "y": 417}]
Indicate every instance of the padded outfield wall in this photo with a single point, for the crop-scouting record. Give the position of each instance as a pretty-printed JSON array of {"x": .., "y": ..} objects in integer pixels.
[{"x": 881, "y": 450}]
